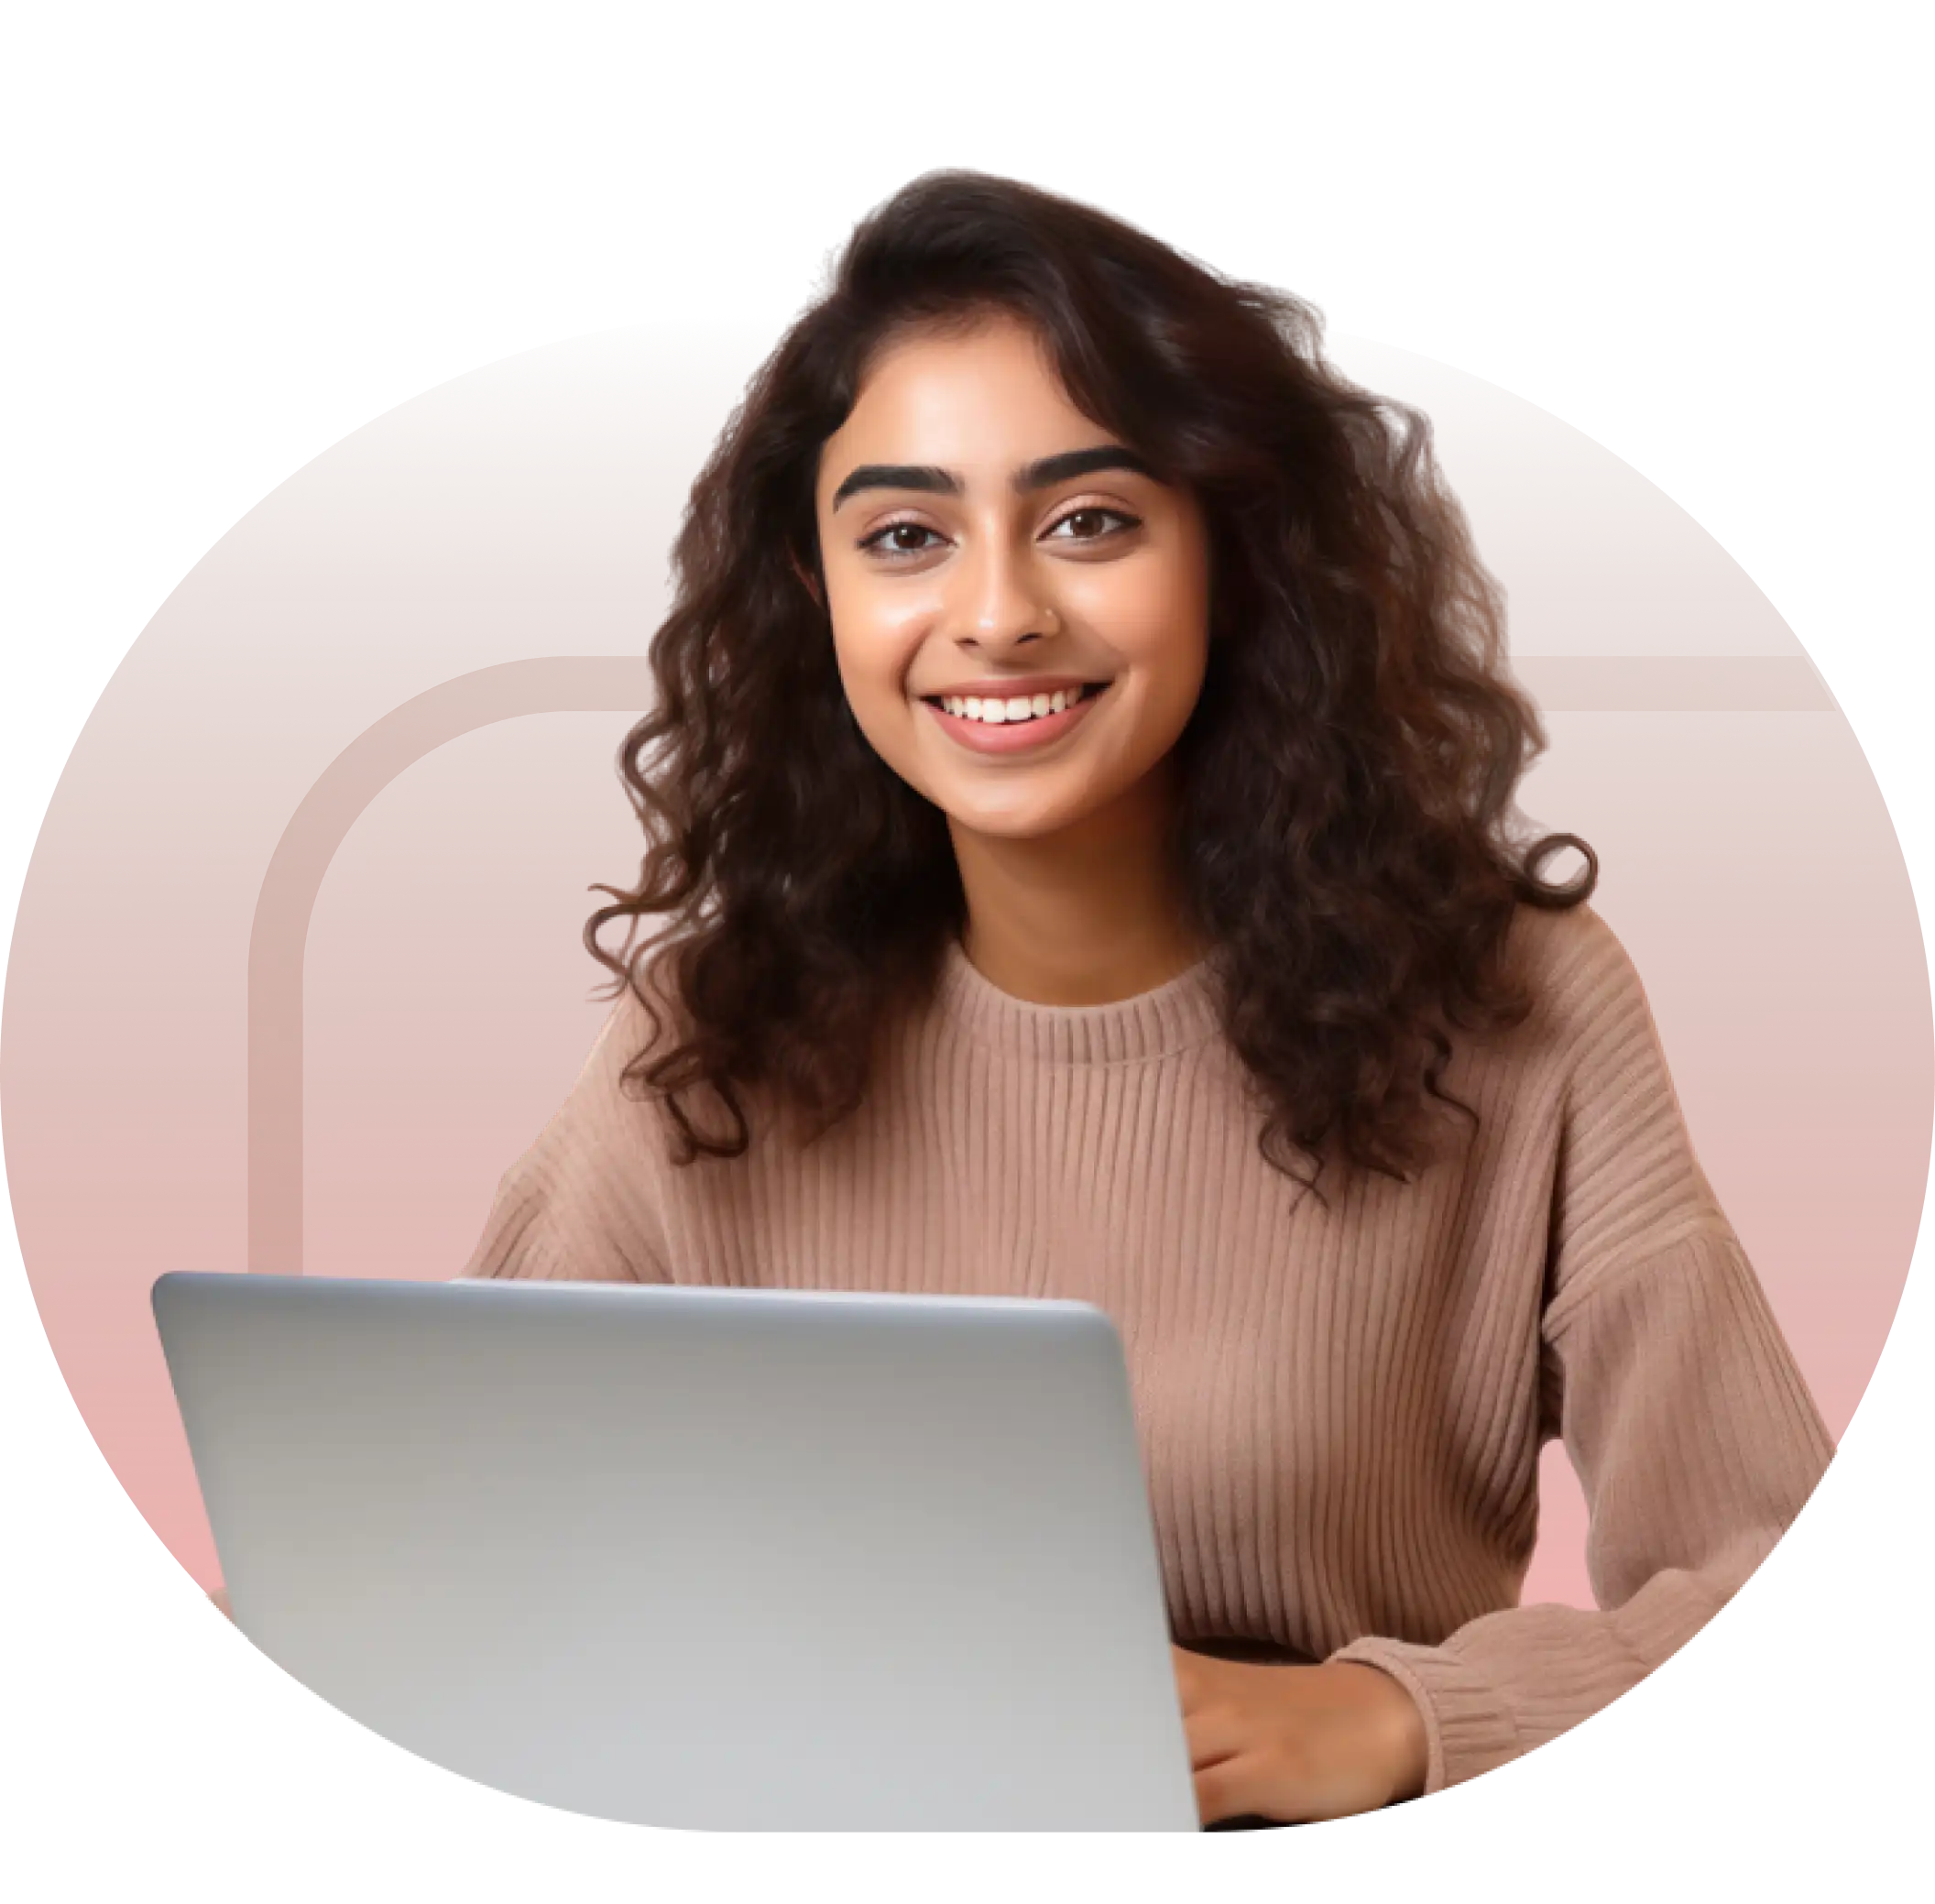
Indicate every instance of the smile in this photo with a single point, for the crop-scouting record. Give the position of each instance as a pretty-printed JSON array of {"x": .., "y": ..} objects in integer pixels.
[{"x": 1020, "y": 724}]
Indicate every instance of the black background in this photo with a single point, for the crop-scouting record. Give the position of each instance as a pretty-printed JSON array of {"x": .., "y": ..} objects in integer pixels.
[{"x": 1733, "y": 341}]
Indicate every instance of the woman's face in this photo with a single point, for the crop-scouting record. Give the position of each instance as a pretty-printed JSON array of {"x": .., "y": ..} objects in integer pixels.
[{"x": 986, "y": 547}]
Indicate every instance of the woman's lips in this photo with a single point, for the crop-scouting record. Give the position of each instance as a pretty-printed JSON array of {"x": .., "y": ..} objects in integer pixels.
[{"x": 1012, "y": 737}]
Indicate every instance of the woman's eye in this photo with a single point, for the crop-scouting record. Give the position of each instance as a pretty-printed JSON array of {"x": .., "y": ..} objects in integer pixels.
[
  {"x": 1089, "y": 525},
  {"x": 901, "y": 539}
]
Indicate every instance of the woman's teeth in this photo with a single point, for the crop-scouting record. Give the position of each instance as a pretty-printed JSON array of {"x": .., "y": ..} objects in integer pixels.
[{"x": 1015, "y": 707}]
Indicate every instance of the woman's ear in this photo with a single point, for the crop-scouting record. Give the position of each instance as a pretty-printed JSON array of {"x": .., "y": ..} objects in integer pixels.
[{"x": 808, "y": 580}]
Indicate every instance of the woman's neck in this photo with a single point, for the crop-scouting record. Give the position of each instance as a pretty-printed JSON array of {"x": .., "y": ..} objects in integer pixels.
[
  {"x": 1060, "y": 971},
  {"x": 1086, "y": 916}
]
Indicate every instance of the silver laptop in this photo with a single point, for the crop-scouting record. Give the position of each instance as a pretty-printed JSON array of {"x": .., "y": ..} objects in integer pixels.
[{"x": 718, "y": 1559}]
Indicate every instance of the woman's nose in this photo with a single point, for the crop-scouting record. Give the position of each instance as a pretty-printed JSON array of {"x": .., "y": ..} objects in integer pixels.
[{"x": 996, "y": 607}]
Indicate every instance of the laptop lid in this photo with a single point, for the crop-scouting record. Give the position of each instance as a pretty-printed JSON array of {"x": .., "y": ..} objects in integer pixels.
[{"x": 701, "y": 1557}]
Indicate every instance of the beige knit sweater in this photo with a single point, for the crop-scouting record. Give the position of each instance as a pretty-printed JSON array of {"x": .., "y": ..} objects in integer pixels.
[{"x": 1341, "y": 1405}]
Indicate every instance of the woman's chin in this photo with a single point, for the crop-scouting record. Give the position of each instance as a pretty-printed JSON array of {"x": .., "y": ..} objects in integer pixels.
[{"x": 1010, "y": 824}]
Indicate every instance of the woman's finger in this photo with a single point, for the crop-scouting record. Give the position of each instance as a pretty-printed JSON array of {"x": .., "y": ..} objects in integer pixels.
[
  {"x": 1215, "y": 1733},
  {"x": 1237, "y": 1787}
]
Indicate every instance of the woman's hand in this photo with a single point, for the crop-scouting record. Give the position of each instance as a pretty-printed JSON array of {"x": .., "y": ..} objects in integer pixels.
[{"x": 1297, "y": 1742}]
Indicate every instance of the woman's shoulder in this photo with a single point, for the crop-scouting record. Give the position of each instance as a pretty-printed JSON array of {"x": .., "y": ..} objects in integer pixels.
[
  {"x": 612, "y": 1093},
  {"x": 1581, "y": 982},
  {"x": 648, "y": 1016},
  {"x": 1561, "y": 952}
]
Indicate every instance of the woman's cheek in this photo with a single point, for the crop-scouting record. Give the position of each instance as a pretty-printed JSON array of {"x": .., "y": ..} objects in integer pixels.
[{"x": 886, "y": 716}]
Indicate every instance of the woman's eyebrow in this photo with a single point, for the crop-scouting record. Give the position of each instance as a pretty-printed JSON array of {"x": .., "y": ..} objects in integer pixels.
[{"x": 928, "y": 478}]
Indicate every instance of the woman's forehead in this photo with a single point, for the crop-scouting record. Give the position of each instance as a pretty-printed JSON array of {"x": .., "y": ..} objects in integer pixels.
[
  {"x": 981, "y": 400},
  {"x": 951, "y": 380}
]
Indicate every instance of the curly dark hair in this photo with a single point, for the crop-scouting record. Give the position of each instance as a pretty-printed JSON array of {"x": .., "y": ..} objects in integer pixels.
[{"x": 1347, "y": 834}]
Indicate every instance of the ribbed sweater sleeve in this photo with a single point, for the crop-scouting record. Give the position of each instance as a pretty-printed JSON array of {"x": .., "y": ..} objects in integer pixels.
[{"x": 1682, "y": 1412}]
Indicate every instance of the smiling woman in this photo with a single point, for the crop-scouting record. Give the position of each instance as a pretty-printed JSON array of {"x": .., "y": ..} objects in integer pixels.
[
  {"x": 1081, "y": 861},
  {"x": 1335, "y": 810}
]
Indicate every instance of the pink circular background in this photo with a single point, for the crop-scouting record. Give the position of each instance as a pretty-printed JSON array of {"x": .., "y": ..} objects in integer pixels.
[{"x": 297, "y": 972}]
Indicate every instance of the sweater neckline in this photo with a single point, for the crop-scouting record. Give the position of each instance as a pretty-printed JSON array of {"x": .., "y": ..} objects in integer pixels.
[{"x": 1182, "y": 1013}]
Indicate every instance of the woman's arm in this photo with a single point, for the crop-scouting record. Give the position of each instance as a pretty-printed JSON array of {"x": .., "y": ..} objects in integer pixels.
[{"x": 1680, "y": 1405}]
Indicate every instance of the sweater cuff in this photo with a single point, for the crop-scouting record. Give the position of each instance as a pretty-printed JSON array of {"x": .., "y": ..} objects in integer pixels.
[{"x": 1467, "y": 1728}]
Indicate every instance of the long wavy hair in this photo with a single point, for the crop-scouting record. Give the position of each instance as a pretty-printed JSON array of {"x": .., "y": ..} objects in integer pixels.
[{"x": 1347, "y": 834}]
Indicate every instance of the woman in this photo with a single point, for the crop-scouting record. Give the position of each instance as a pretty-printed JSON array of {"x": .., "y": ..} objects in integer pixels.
[{"x": 1080, "y": 828}]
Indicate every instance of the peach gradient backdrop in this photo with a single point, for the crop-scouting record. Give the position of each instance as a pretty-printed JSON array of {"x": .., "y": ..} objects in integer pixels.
[{"x": 524, "y": 512}]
